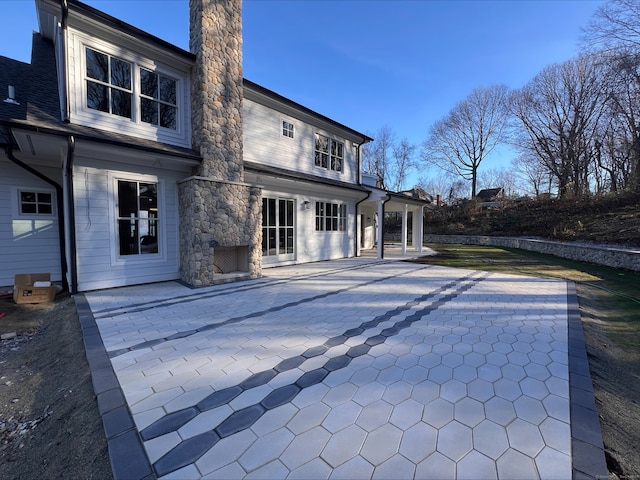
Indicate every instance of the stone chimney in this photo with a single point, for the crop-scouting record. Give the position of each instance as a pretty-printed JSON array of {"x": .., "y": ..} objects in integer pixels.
[
  {"x": 216, "y": 86},
  {"x": 220, "y": 216}
]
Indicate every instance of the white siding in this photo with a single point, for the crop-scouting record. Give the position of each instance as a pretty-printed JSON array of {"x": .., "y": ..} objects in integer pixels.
[
  {"x": 98, "y": 263},
  {"x": 93, "y": 118},
  {"x": 312, "y": 245},
  {"x": 264, "y": 143},
  {"x": 28, "y": 243}
]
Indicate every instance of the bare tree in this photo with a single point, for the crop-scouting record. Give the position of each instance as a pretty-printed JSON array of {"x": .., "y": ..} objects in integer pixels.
[
  {"x": 504, "y": 178},
  {"x": 403, "y": 163},
  {"x": 388, "y": 159},
  {"x": 615, "y": 30},
  {"x": 533, "y": 171},
  {"x": 614, "y": 26},
  {"x": 468, "y": 133},
  {"x": 559, "y": 111},
  {"x": 378, "y": 155},
  {"x": 438, "y": 184}
]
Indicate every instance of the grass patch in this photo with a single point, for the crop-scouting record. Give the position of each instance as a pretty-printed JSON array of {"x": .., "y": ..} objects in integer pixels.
[{"x": 607, "y": 294}]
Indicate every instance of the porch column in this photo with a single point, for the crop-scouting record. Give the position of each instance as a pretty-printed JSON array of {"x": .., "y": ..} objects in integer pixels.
[
  {"x": 404, "y": 229},
  {"x": 418, "y": 228},
  {"x": 380, "y": 239}
]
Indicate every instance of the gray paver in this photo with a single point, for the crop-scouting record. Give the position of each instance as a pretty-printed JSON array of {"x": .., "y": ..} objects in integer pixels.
[{"x": 347, "y": 369}]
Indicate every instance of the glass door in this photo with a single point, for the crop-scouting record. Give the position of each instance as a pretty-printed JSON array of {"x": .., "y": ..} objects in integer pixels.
[{"x": 278, "y": 229}]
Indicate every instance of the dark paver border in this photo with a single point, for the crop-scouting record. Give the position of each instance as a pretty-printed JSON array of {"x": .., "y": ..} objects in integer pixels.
[
  {"x": 129, "y": 459},
  {"x": 587, "y": 450}
]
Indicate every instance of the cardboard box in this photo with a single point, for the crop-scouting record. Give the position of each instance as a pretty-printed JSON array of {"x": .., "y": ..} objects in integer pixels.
[{"x": 25, "y": 292}]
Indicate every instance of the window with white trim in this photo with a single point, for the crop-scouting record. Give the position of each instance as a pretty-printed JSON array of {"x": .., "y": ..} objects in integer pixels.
[
  {"x": 122, "y": 88},
  {"x": 287, "y": 129},
  {"x": 35, "y": 203},
  {"x": 331, "y": 217},
  {"x": 137, "y": 217},
  {"x": 329, "y": 153}
]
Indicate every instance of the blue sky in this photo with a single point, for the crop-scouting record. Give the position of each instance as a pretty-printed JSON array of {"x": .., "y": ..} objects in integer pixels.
[{"x": 367, "y": 63}]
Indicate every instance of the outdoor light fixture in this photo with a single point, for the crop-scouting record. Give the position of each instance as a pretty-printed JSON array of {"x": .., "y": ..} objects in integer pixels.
[
  {"x": 12, "y": 96},
  {"x": 306, "y": 205}
]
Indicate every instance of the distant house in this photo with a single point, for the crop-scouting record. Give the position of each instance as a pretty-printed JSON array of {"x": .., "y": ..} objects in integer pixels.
[
  {"x": 490, "y": 198},
  {"x": 127, "y": 160}
]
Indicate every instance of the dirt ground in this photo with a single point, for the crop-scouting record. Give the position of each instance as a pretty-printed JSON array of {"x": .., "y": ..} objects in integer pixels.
[
  {"x": 50, "y": 426},
  {"x": 49, "y": 421},
  {"x": 615, "y": 373}
]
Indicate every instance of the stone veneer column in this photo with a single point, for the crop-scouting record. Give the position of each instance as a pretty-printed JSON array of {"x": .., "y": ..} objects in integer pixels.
[
  {"x": 216, "y": 86},
  {"x": 216, "y": 208}
]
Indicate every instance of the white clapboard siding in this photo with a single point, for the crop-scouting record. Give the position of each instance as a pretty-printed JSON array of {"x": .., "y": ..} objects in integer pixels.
[
  {"x": 28, "y": 243},
  {"x": 98, "y": 263},
  {"x": 264, "y": 143}
]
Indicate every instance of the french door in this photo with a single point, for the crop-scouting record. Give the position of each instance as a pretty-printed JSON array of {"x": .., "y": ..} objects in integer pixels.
[{"x": 278, "y": 230}]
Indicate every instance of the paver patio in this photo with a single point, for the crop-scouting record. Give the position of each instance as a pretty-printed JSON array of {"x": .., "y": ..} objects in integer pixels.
[{"x": 356, "y": 368}]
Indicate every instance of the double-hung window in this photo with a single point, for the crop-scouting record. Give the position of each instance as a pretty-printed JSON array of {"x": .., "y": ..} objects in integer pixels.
[
  {"x": 329, "y": 153},
  {"x": 138, "y": 221},
  {"x": 331, "y": 217},
  {"x": 287, "y": 129},
  {"x": 125, "y": 89}
]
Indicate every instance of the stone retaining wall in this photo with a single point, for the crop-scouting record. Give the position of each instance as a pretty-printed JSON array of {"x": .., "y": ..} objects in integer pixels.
[{"x": 608, "y": 256}]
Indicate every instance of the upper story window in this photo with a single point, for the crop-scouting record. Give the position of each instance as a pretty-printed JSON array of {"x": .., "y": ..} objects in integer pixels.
[
  {"x": 157, "y": 99},
  {"x": 329, "y": 153},
  {"x": 287, "y": 129},
  {"x": 108, "y": 84},
  {"x": 36, "y": 203},
  {"x": 120, "y": 88}
]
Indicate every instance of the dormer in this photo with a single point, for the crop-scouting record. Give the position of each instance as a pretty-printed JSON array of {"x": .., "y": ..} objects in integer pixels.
[{"x": 117, "y": 78}]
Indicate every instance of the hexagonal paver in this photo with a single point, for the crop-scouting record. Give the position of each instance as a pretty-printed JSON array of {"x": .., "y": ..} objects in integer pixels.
[
  {"x": 513, "y": 372},
  {"x": 490, "y": 373},
  {"x": 490, "y": 439},
  {"x": 480, "y": 389},
  {"x": 342, "y": 416},
  {"x": 514, "y": 465},
  {"x": 343, "y": 445},
  {"x": 465, "y": 373},
  {"x": 418, "y": 442},
  {"x": 440, "y": 374},
  {"x": 406, "y": 414},
  {"x": 557, "y": 435},
  {"x": 553, "y": 464},
  {"x": 469, "y": 412},
  {"x": 534, "y": 388},
  {"x": 475, "y": 465},
  {"x": 305, "y": 447},
  {"x": 436, "y": 466},
  {"x": 453, "y": 390},
  {"x": 507, "y": 389},
  {"x": 397, "y": 467},
  {"x": 356, "y": 467},
  {"x": 530, "y": 409},
  {"x": 381, "y": 444},
  {"x": 397, "y": 392},
  {"x": 500, "y": 411},
  {"x": 438, "y": 413},
  {"x": 374, "y": 415},
  {"x": 454, "y": 440},
  {"x": 425, "y": 392},
  {"x": 525, "y": 437}
]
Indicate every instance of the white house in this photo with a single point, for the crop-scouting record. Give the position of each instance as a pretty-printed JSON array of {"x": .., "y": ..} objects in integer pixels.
[{"x": 107, "y": 166}]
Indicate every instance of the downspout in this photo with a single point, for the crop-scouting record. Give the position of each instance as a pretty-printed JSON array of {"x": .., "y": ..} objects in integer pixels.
[
  {"x": 59, "y": 208},
  {"x": 63, "y": 59},
  {"x": 71, "y": 149}
]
